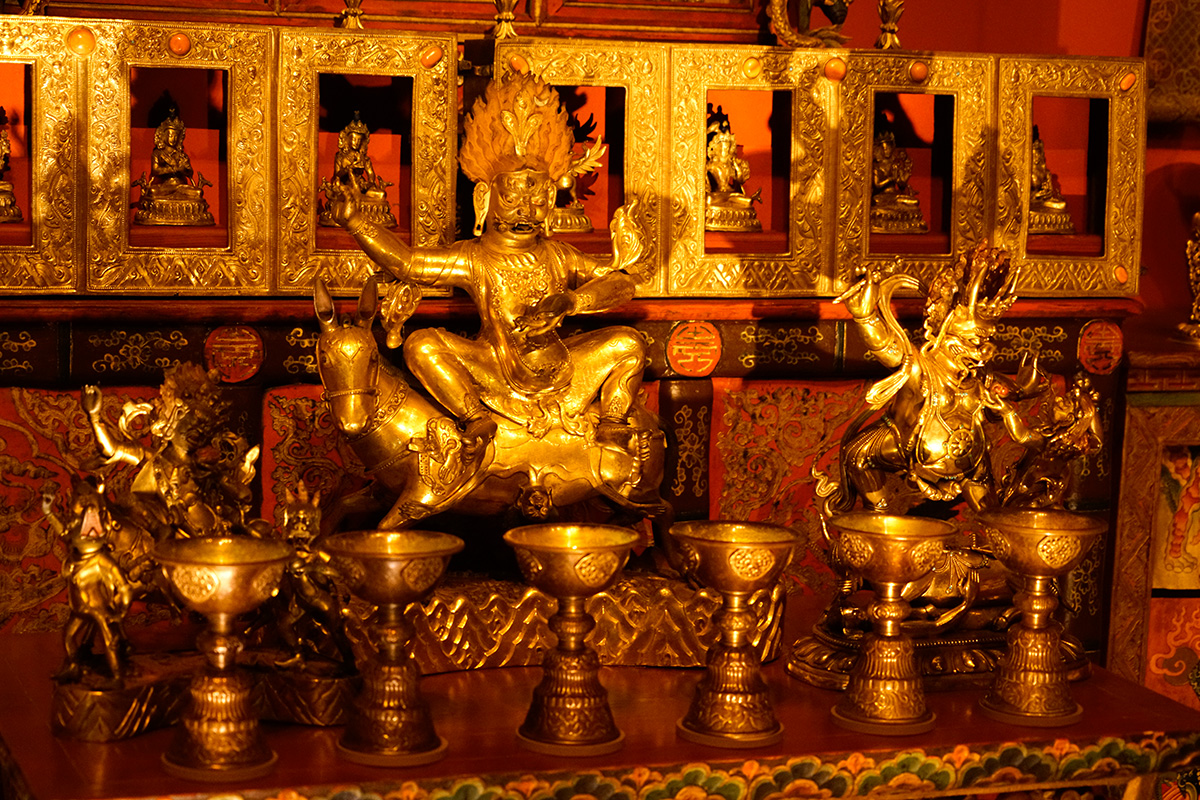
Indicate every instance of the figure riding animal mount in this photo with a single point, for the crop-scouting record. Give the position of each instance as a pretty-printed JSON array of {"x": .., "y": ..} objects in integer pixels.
[
  {"x": 517, "y": 416},
  {"x": 927, "y": 435}
]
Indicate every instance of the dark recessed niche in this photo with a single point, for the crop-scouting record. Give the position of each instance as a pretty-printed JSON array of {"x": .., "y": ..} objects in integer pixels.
[{"x": 16, "y": 97}]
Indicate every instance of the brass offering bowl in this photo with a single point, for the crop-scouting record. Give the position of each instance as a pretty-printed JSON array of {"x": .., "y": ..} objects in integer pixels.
[
  {"x": 1030, "y": 686},
  {"x": 220, "y": 738},
  {"x": 884, "y": 694},
  {"x": 732, "y": 705},
  {"x": 569, "y": 714},
  {"x": 389, "y": 723}
]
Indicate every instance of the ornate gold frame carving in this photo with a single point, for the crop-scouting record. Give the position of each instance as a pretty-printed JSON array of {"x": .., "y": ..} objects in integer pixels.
[
  {"x": 1148, "y": 429},
  {"x": 50, "y": 263},
  {"x": 799, "y": 270},
  {"x": 641, "y": 69},
  {"x": 1116, "y": 271},
  {"x": 971, "y": 81},
  {"x": 243, "y": 265},
  {"x": 303, "y": 55}
]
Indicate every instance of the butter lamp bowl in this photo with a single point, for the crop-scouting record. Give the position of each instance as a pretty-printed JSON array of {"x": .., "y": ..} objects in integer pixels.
[
  {"x": 736, "y": 557},
  {"x": 1040, "y": 542},
  {"x": 888, "y": 548},
  {"x": 571, "y": 560},
  {"x": 391, "y": 567},
  {"x": 223, "y": 576}
]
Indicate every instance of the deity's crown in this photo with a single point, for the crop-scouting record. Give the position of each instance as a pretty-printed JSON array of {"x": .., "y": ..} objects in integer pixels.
[
  {"x": 355, "y": 125},
  {"x": 518, "y": 123},
  {"x": 971, "y": 294}
]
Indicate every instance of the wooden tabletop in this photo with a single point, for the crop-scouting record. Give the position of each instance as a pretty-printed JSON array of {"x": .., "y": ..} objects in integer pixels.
[{"x": 1125, "y": 731}]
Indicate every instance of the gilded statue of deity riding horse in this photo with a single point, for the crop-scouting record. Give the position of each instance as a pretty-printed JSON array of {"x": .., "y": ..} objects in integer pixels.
[{"x": 517, "y": 416}]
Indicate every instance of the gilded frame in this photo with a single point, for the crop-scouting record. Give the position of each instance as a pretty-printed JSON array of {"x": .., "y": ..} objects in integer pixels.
[
  {"x": 244, "y": 264},
  {"x": 1122, "y": 82},
  {"x": 800, "y": 270},
  {"x": 642, "y": 70},
  {"x": 50, "y": 262},
  {"x": 970, "y": 80},
  {"x": 1152, "y": 421},
  {"x": 303, "y": 55}
]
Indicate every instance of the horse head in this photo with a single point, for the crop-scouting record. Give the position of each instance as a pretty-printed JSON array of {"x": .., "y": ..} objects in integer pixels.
[{"x": 348, "y": 358}]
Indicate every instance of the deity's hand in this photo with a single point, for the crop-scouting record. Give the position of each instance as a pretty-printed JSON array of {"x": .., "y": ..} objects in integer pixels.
[
  {"x": 1030, "y": 379},
  {"x": 862, "y": 298},
  {"x": 344, "y": 203},
  {"x": 546, "y": 314},
  {"x": 89, "y": 398}
]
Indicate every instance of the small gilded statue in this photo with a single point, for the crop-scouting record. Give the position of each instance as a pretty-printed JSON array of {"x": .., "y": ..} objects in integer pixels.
[
  {"x": 727, "y": 207},
  {"x": 1047, "y": 209},
  {"x": 894, "y": 204},
  {"x": 520, "y": 417},
  {"x": 352, "y": 166},
  {"x": 9, "y": 211},
  {"x": 173, "y": 194},
  {"x": 99, "y": 591}
]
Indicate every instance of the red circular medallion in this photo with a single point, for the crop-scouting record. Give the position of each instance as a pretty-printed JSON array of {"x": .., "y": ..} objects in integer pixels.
[
  {"x": 235, "y": 352},
  {"x": 694, "y": 348},
  {"x": 1100, "y": 346}
]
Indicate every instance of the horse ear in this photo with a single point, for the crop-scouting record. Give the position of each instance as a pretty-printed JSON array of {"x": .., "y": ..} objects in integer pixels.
[
  {"x": 323, "y": 304},
  {"x": 368, "y": 302}
]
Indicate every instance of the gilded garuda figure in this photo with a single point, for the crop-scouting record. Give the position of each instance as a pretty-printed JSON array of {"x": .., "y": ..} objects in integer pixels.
[
  {"x": 534, "y": 420},
  {"x": 352, "y": 159},
  {"x": 931, "y": 435},
  {"x": 173, "y": 194}
]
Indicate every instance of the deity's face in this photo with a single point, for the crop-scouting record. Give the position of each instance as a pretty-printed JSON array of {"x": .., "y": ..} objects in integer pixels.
[
  {"x": 520, "y": 202},
  {"x": 355, "y": 140},
  {"x": 171, "y": 136}
]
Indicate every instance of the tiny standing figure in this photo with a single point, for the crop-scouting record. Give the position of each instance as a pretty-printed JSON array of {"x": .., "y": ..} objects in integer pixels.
[
  {"x": 727, "y": 206},
  {"x": 1047, "y": 209},
  {"x": 9, "y": 211},
  {"x": 894, "y": 204},
  {"x": 353, "y": 168},
  {"x": 99, "y": 592},
  {"x": 173, "y": 194}
]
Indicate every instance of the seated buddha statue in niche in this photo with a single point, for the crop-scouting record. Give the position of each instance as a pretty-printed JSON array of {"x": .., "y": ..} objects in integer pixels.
[
  {"x": 1047, "y": 208},
  {"x": 894, "y": 204},
  {"x": 173, "y": 194},
  {"x": 9, "y": 211},
  {"x": 352, "y": 166},
  {"x": 727, "y": 206}
]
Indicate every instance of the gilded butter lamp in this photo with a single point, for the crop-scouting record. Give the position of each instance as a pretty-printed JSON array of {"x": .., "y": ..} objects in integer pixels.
[
  {"x": 221, "y": 577},
  {"x": 732, "y": 705},
  {"x": 1030, "y": 686},
  {"x": 884, "y": 694},
  {"x": 569, "y": 714},
  {"x": 389, "y": 722}
]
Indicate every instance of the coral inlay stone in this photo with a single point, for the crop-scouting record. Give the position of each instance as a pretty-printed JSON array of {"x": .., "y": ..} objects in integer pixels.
[
  {"x": 918, "y": 71},
  {"x": 752, "y": 67},
  {"x": 179, "y": 44},
  {"x": 431, "y": 56},
  {"x": 81, "y": 41},
  {"x": 1128, "y": 81},
  {"x": 519, "y": 64},
  {"x": 835, "y": 69},
  {"x": 1121, "y": 274}
]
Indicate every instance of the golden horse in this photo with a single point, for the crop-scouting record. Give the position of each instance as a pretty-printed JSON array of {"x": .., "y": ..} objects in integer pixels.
[{"x": 415, "y": 450}]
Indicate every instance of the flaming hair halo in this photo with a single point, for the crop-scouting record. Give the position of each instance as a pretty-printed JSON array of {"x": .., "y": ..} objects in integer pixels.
[{"x": 518, "y": 123}]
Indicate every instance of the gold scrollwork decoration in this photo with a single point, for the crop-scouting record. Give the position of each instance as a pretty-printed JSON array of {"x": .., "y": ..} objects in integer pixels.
[
  {"x": 691, "y": 440},
  {"x": 241, "y": 266},
  {"x": 133, "y": 351},
  {"x": 697, "y": 69},
  {"x": 1029, "y": 337},
  {"x": 50, "y": 262},
  {"x": 304, "y": 55},
  {"x": 789, "y": 346}
]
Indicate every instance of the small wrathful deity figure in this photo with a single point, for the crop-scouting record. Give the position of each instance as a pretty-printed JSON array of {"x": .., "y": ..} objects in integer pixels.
[
  {"x": 9, "y": 212},
  {"x": 173, "y": 194},
  {"x": 727, "y": 206},
  {"x": 1047, "y": 209},
  {"x": 354, "y": 171},
  {"x": 99, "y": 592},
  {"x": 571, "y": 217},
  {"x": 894, "y": 204}
]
